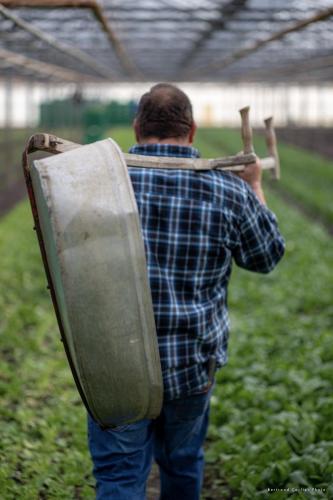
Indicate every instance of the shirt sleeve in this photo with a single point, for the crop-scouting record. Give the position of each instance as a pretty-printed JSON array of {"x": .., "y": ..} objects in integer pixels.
[{"x": 260, "y": 245}]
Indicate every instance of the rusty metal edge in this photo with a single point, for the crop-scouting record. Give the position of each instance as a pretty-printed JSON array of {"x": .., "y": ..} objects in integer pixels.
[{"x": 30, "y": 148}]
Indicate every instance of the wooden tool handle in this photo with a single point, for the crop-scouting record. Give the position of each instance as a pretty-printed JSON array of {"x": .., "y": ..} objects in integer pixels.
[
  {"x": 272, "y": 146},
  {"x": 246, "y": 130},
  {"x": 237, "y": 163},
  {"x": 56, "y": 145},
  {"x": 270, "y": 135}
]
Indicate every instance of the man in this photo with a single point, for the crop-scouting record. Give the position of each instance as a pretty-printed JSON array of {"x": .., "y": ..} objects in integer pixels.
[{"x": 193, "y": 225}]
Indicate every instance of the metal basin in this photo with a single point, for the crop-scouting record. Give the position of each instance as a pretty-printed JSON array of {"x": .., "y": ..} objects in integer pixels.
[{"x": 95, "y": 253}]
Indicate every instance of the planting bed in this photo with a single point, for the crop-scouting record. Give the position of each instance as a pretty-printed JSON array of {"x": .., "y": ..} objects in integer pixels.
[
  {"x": 12, "y": 188},
  {"x": 315, "y": 139},
  {"x": 272, "y": 408}
]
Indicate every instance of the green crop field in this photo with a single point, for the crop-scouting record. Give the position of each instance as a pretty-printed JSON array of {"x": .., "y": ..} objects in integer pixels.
[{"x": 272, "y": 408}]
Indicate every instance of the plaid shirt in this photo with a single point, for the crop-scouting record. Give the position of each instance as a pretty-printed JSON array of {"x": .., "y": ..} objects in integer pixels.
[{"x": 193, "y": 225}]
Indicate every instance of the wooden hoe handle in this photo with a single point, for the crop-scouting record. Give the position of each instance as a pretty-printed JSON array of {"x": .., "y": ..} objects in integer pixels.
[
  {"x": 246, "y": 130},
  {"x": 272, "y": 146}
]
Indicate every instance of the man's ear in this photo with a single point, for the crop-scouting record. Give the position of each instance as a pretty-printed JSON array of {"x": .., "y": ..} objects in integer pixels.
[
  {"x": 192, "y": 132},
  {"x": 136, "y": 130}
]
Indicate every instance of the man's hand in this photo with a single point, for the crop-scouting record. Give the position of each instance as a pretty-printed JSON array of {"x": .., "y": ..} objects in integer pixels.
[{"x": 252, "y": 175}]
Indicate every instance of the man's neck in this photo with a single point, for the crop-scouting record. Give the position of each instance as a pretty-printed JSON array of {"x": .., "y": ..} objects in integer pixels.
[{"x": 178, "y": 141}]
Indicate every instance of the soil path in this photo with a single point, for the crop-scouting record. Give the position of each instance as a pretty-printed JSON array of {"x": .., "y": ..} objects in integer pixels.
[{"x": 153, "y": 487}]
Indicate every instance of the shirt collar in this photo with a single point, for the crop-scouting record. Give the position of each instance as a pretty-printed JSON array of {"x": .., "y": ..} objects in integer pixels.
[{"x": 165, "y": 150}]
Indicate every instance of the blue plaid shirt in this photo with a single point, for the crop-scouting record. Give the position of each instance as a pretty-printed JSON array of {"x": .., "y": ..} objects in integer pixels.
[{"x": 193, "y": 225}]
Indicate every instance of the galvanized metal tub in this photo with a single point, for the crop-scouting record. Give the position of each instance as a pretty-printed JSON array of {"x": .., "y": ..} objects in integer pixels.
[{"x": 95, "y": 254}]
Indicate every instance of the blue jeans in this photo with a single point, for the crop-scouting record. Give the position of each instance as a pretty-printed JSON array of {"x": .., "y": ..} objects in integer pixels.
[{"x": 122, "y": 457}]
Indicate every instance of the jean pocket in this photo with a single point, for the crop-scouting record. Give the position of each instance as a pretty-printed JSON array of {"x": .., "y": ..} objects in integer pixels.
[{"x": 191, "y": 408}]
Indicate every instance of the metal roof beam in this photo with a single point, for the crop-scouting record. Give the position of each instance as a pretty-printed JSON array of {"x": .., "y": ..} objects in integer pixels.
[
  {"x": 166, "y": 17},
  {"x": 157, "y": 8},
  {"x": 48, "y": 70},
  {"x": 75, "y": 53},
  {"x": 98, "y": 12},
  {"x": 254, "y": 46},
  {"x": 226, "y": 12}
]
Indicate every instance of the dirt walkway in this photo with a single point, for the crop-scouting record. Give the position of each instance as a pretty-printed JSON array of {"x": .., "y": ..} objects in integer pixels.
[{"x": 153, "y": 487}]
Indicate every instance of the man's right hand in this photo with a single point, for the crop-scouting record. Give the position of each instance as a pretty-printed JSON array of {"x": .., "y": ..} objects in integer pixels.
[{"x": 253, "y": 175}]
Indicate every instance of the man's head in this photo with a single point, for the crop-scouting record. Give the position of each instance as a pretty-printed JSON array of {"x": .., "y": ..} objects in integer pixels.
[{"x": 164, "y": 115}]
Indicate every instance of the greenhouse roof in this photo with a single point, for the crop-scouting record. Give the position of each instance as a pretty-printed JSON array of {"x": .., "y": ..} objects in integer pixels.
[{"x": 167, "y": 40}]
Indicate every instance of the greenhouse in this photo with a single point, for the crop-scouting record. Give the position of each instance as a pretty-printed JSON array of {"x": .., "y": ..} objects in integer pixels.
[{"x": 75, "y": 70}]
